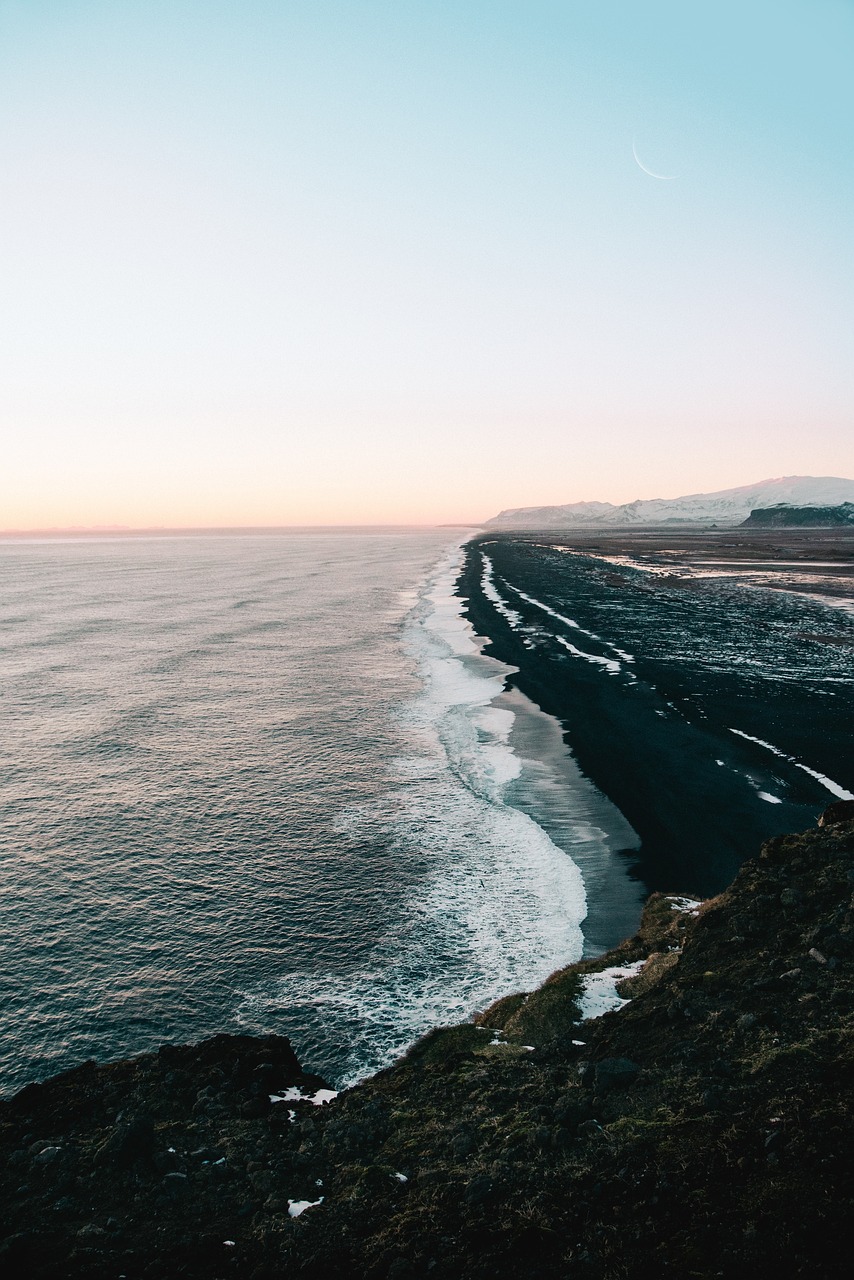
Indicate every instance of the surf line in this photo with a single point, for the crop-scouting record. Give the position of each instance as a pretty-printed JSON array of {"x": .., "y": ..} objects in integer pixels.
[
  {"x": 569, "y": 622},
  {"x": 833, "y": 787},
  {"x": 515, "y": 620},
  {"x": 489, "y": 589}
]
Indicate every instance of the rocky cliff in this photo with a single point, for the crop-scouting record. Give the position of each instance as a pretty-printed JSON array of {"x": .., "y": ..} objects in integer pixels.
[
  {"x": 787, "y": 517},
  {"x": 701, "y": 1129}
]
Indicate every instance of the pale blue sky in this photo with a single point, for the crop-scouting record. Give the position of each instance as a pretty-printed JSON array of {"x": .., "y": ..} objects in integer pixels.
[{"x": 293, "y": 262}]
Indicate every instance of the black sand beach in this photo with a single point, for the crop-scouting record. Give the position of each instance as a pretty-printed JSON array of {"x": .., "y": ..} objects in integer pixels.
[{"x": 706, "y": 682}]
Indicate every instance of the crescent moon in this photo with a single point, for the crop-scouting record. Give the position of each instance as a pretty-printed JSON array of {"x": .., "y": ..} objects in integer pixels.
[{"x": 663, "y": 177}]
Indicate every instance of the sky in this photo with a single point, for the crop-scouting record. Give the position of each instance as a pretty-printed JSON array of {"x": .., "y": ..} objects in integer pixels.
[{"x": 339, "y": 261}]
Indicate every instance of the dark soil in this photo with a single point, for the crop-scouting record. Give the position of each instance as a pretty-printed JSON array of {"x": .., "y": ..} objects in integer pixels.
[{"x": 703, "y": 1130}]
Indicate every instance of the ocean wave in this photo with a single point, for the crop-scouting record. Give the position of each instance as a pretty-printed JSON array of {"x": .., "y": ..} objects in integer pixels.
[{"x": 499, "y": 906}]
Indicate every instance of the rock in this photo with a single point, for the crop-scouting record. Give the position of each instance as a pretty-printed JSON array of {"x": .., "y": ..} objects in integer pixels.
[
  {"x": 462, "y": 1146},
  {"x": 255, "y": 1108},
  {"x": 587, "y": 1072},
  {"x": 130, "y": 1142},
  {"x": 275, "y": 1204},
  {"x": 47, "y": 1155},
  {"x": 262, "y": 1181},
  {"x": 837, "y": 814},
  {"x": 479, "y": 1189},
  {"x": 695, "y": 1129},
  {"x": 265, "y": 1076},
  {"x": 90, "y": 1231},
  {"x": 615, "y": 1073},
  {"x": 566, "y": 1110},
  {"x": 176, "y": 1183},
  {"x": 561, "y": 1138}
]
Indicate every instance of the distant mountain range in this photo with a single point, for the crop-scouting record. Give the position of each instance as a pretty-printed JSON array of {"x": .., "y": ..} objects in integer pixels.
[{"x": 728, "y": 506}]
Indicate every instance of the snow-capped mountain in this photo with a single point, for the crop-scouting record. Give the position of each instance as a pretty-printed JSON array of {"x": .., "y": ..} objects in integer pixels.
[{"x": 728, "y": 506}]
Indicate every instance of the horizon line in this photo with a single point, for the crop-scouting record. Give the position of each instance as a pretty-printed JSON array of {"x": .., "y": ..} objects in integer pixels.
[{"x": 123, "y": 530}]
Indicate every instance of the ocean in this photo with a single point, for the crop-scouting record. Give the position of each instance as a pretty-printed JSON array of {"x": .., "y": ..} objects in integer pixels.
[{"x": 272, "y": 783}]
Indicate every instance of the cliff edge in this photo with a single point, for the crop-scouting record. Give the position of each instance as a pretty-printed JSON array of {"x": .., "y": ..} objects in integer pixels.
[{"x": 702, "y": 1128}]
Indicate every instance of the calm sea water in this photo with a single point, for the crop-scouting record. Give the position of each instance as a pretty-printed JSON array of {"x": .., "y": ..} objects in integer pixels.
[{"x": 270, "y": 783}]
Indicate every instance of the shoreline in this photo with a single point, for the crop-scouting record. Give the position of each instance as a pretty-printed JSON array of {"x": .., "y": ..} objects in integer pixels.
[
  {"x": 715, "y": 1077},
  {"x": 524, "y": 765},
  {"x": 682, "y": 750}
]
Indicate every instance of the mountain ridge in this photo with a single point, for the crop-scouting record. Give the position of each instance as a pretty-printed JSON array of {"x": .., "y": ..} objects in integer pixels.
[{"x": 725, "y": 506}]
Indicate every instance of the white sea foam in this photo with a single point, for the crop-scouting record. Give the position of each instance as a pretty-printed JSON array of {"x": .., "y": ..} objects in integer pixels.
[
  {"x": 573, "y": 625},
  {"x": 492, "y": 594},
  {"x": 610, "y": 664},
  {"x": 500, "y": 905},
  {"x": 553, "y": 613},
  {"x": 833, "y": 787}
]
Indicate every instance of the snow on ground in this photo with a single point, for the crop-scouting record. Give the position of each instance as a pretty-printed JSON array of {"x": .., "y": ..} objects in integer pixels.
[{"x": 599, "y": 994}]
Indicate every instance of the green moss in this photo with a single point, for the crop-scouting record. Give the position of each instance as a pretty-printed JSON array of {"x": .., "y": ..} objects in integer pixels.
[
  {"x": 550, "y": 1013},
  {"x": 498, "y": 1013},
  {"x": 447, "y": 1045}
]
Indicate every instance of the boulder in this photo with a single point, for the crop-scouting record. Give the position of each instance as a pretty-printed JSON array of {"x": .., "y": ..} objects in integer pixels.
[
  {"x": 837, "y": 814},
  {"x": 615, "y": 1073}
]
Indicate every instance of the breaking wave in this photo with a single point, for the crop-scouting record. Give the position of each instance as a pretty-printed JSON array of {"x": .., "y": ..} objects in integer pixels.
[{"x": 499, "y": 905}]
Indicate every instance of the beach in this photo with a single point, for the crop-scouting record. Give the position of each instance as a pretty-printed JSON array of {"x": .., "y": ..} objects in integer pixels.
[{"x": 702, "y": 679}]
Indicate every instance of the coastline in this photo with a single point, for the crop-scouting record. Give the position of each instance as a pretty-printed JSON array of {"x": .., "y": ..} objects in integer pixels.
[
  {"x": 679, "y": 1102},
  {"x": 701, "y": 1127},
  {"x": 685, "y": 750},
  {"x": 521, "y": 762}
]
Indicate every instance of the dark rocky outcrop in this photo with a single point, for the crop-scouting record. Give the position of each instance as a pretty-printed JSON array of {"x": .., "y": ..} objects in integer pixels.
[
  {"x": 702, "y": 1130},
  {"x": 785, "y": 516}
]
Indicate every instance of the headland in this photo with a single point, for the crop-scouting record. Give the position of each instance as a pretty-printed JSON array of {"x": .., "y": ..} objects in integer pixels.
[{"x": 700, "y": 1129}]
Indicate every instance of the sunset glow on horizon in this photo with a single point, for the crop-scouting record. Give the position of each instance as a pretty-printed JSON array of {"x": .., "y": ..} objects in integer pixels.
[{"x": 345, "y": 262}]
